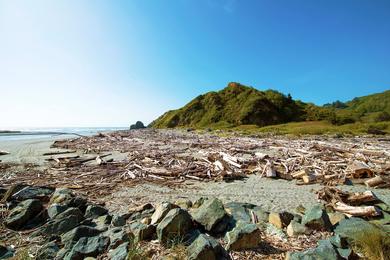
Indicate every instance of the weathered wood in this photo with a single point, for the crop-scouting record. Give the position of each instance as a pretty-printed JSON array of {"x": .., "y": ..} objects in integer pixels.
[
  {"x": 59, "y": 152},
  {"x": 361, "y": 170},
  {"x": 300, "y": 174},
  {"x": 310, "y": 178},
  {"x": 359, "y": 198},
  {"x": 361, "y": 211},
  {"x": 3, "y": 152},
  {"x": 373, "y": 182}
]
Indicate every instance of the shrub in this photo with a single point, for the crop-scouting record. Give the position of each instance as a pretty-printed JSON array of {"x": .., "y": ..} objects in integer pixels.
[{"x": 382, "y": 116}]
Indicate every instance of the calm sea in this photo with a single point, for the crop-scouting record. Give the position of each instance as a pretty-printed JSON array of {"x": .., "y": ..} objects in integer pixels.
[{"x": 37, "y": 133}]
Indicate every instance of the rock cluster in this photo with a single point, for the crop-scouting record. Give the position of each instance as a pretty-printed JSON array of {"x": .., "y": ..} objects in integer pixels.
[
  {"x": 74, "y": 228},
  {"x": 137, "y": 125}
]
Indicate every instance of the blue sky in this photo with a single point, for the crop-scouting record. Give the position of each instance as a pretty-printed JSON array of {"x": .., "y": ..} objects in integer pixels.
[{"x": 109, "y": 63}]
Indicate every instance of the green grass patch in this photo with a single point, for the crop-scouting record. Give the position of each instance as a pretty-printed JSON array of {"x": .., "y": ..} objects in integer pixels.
[{"x": 314, "y": 128}]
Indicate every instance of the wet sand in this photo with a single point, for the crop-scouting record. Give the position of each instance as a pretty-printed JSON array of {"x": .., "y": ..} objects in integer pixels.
[{"x": 31, "y": 150}]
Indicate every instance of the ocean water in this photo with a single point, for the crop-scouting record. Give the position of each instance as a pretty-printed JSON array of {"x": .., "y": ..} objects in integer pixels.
[{"x": 47, "y": 132}]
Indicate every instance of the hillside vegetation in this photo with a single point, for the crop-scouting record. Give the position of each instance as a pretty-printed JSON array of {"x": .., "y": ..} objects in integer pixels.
[{"x": 238, "y": 105}]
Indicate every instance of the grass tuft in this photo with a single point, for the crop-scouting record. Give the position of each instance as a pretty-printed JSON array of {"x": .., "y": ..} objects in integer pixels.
[{"x": 373, "y": 245}]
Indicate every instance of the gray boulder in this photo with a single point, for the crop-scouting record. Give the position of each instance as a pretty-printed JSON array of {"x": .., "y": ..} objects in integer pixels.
[
  {"x": 243, "y": 236},
  {"x": 102, "y": 223},
  {"x": 119, "y": 253},
  {"x": 62, "y": 223},
  {"x": 295, "y": 228},
  {"x": 137, "y": 125},
  {"x": 316, "y": 218},
  {"x": 352, "y": 228},
  {"x": 48, "y": 251},
  {"x": 118, "y": 236},
  {"x": 33, "y": 192},
  {"x": 176, "y": 224},
  {"x": 142, "y": 231},
  {"x": 183, "y": 203},
  {"x": 238, "y": 211},
  {"x": 324, "y": 251},
  {"x": 161, "y": 211},
  {"x": 118, "y": 221},
  {"x": 212, "y": 216},
  {"x": 88, "y": 246},
  {"x": 335, "y": 217},
  {"x": 23, "y": 213},
  {"x": 95, "y": 211},
  {"x": 66, "y": 197},
  {"x": 206, "y": 248},
  {"x": 6, "y": 252},
  {"x": 72, "y": 236},
  {"x": 55, "y": 209}
]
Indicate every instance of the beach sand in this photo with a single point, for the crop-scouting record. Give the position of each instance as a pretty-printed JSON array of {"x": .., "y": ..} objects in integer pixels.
[
  {"x": 31, "y": 150},
  {"x": 271, "y": 194}
]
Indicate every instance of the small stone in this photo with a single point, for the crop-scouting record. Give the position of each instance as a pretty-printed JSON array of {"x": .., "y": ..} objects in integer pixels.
[
  {"x": 177, "y": 223},
  {"x": 161, "y": 211},
  {"x": 316, "y": 218},
  {"x": 141, "y": 208},
  {"x": 95, "y": 211},
  {"x": 55, "y": 209},
  {"x": 146, "y": 221},
  {"x": 280, "y": 220},
  {"x": 345, "y": 253},
  {"x": 102, "y": 222},
  {"x": 274, "y": 231},
  {"x": 295, "y": 228},
  {"x": 198, "y": 202},
  {"x": 238, "y": 212},
  {"x": 261, "y": 214},
  {"x": 142, "y": 231},
  {"x": 211, "y": 216},
  {"x": 338, "y": 241},
  {"x": 23, "y": 213},
  {"x": 183, "y": 203},
  {"x": 118, "y": 236},
  {"x": 61, "y": 195},
  {"x": 71, "y": 212},
  {"x": 243, "y": 236},
  {"x": 206, "y": 248},
  {"x": 118, "y": 221},
  {"x": 335, "y": 217},
  {"x": 66, "y": 197},
  {"x": 119, "y": 253}
]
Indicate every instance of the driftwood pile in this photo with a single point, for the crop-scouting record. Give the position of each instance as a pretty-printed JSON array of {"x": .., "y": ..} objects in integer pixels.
[
  {"x": 173, "y": 155},
  {"x": 358, "y": 204},
  {"x": 170, "y": 157}
]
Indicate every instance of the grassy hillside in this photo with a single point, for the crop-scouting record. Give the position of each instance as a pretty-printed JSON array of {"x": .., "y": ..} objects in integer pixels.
[
  {"x": 234, "y": 105},
  {"x": 238, "y": 106}
]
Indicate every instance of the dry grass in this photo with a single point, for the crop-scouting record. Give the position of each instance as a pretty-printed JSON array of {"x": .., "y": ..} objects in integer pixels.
[{"x": 373, "y": 245}]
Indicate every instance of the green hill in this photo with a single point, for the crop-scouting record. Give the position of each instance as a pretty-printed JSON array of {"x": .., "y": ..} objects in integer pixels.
[
  {"x": 238, "y": 105},
  {"x": 234, "y": 105}
]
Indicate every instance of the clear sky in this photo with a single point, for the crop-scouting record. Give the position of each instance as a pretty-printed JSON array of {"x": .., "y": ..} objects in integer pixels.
[{"x": 109, "y": 63}]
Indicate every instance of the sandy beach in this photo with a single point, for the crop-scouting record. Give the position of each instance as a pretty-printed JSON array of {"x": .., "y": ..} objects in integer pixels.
[{"x": 272, "y": 194}]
